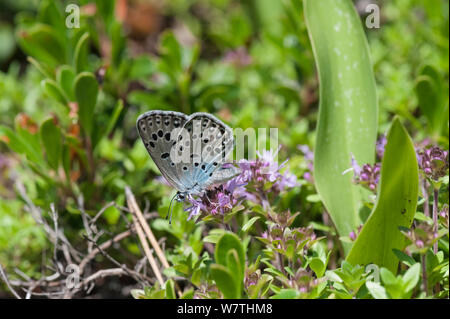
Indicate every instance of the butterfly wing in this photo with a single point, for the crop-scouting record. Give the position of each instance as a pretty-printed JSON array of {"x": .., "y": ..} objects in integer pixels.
[
  {"x": 156, "y": 129},
  {"x": 208, "y": 141},
  {"x": 222, "y": 175}
]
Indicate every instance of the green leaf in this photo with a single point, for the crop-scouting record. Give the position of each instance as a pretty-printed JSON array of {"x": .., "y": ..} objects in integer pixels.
[
  {"x": 249, "y": 224},
  {"x": 429, "y": 104},
  {"x": 233, "y": 264},
  {"x": 226, "y": 243},
  {"x": 86, "y": 91},
  {"x": 42, "y": 42},
  {"x": 54, "y": 91},
  {"x": 286, "y": 294},
  {"x": 170, "y": 290},
  {"x": 112, "y": 215},
  {"x": 225, "y": 281},
  {"x": 21, "y": 144},
  {"x": 81, "y": 50},
  {"x": 395, "y": 206},
  {"x": 44, "y": 69},
  {"x": 52, "y": 140},
  {"x": 411, "y": 277},
  {"x": 50, "y": 13},
  {"x": 376, "y": 290},
  {"x": 388, "y": 277},
  {"x": 65, "y": 76},
  {"x": 317, "y": 266},
  {"x": 114, "y": 117},
  {"x": 408, "y": 260},
  {"x": 348, "y": 109}
]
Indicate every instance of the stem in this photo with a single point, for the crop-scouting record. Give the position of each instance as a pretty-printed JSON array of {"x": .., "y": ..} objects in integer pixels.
[
  {"x": 435, "y": 217},
  {"x": 435, "y": 226},
  {"x": 426, "y": 205},
  {"x": 424, "y": 274}
]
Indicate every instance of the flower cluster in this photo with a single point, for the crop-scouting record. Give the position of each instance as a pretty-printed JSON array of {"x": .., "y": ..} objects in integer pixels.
[
  {"x": 266, "y": 169},
  {"x": 218, "y": 200},
  {"x": 422, "y": 237},
  {"x": 433, "y": 161},
  {"x": 368, "y": 175},
  {"x": 222, "y": 199}
]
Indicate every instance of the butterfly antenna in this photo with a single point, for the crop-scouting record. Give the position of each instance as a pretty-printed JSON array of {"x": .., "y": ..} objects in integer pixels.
[{"x": 170, "y": 210}]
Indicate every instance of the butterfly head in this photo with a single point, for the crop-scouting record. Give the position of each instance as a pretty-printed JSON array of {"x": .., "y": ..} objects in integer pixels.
[{"x": 180, "y": 196}]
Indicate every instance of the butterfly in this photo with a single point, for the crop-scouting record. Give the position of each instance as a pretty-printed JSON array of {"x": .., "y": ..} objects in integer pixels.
[{"x": 189, "y": 150}]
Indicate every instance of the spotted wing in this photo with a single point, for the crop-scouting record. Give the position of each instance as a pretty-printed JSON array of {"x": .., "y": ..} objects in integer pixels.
[
  {"x": 158, "y": 130},
  {"x": 208, "y": 142}
]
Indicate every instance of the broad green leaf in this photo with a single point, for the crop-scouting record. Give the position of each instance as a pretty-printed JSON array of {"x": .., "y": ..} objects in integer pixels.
[
  {"x": 86, "y": 91},
  {"x": 81, "y": 51},
  {"x": 348, "y": 109},
  {"x": 52, "y": 140},
  {"x": 395, "y": 206},
  {"x": 225, "y": 281}
]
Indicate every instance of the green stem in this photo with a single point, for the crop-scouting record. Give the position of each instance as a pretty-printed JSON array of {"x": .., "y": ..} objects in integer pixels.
[
  {"x": 424, "y": 274},
  {"x": 435, "y": 217}
]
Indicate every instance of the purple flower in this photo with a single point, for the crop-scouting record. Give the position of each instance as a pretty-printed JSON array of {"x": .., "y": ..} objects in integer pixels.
[
  {"x": 266, "y": 169},
  {"x": 433, "y": 161},
  {"x": 221, "y": 199},
  {"x": 218, "y": 200},
  {"x": 238, "y": 58},
  {"x": 368, "y": 175},
  {"x": 309, "y": 157},
  {"x": 381, "y": 144},
  {"x": 419, "y": 243}
]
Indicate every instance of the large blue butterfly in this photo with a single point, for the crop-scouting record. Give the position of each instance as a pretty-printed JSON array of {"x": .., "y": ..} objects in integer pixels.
[{"x": 188, "y": 150}]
